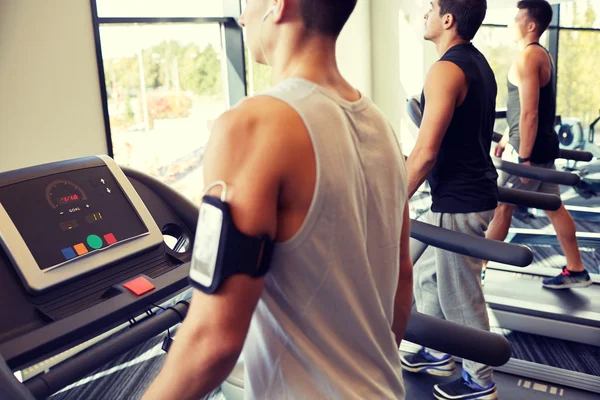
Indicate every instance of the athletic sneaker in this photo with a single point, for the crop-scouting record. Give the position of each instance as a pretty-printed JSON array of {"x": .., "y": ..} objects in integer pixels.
[
  {"x": 424, "y": 362},
  {"x": 465, "y": 389},
  {"x": 568, "y": 279}
]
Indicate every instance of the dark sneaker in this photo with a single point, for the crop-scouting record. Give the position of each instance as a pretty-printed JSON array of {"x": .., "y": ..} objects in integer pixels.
[
  {"x": 425, "y": 363},
  {"x": 465, "y": 389},
  {"x": 568, "y": 279}
]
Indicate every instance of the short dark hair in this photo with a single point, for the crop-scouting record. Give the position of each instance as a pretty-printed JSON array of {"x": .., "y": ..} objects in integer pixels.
[
  {"x": 538, "y": 11},
  {"x": 326, "y": 17},
  {"x": 468, "y": 14}
]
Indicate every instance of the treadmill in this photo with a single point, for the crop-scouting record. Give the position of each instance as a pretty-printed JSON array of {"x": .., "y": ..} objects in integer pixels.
[
  {"x": 528, "y": 307},
  {"x": 82, "y": 255},
  {"x": 515, "y": 296},
  {"x": 88, "y": 276}
]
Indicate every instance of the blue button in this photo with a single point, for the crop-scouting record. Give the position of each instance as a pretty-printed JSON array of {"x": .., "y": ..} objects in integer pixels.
[{"x": 69, "y": 253}]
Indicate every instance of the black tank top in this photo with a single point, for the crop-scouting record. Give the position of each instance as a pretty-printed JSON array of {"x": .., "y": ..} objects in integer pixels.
[
  {"x": 464, "y": 179},
  {"x": 545, "y": 148}
]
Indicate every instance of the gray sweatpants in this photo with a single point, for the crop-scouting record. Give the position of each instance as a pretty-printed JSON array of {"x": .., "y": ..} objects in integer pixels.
[{"x": 448, "y": 285}]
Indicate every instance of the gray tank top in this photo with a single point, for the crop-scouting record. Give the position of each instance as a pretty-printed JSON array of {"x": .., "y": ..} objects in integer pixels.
[{"x": 322, "y": 329}]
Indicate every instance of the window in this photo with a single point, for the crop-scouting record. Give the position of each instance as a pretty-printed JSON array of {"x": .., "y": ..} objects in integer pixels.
[
  {"x": 500, "y": 16},
  {"x": 168, "y": 71},
  {"x": 579, "y": 56},
  {"x": 578, "y": 94},
  {"x": 164, "y": 87},
  {"x": 159, "y": 8},
  {"x": 499, "y": 49},
  {"x": 580, "y": 14}
]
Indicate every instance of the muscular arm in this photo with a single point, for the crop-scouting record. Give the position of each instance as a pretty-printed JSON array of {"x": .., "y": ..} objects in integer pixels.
[
  {"x": 528, "y": 72},
  {"x": 404, "y": 293},
  {"x": 245, "y": 150},
  {"x": 445, "y": 88}
]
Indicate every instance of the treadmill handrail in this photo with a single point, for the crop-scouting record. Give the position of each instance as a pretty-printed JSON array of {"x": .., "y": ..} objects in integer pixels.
[
  {"x": 572, "y": 155},
  {"x": 413, "y": 108},
  {"x": 537, "y": 173},
  {"x": 27, "y": 347},
  {"x": 95, "y": 357},
  {"x": 468, "y": 343},
  {"x": 472, "y": 344},
  {"x": 461, "y": 243},
  {"x": 10, "y": 387},
  {"x": 525, "y": 198}
]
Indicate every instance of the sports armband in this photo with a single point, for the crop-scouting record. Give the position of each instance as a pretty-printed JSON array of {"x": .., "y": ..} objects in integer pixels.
[{"x": 221, "y": 250}]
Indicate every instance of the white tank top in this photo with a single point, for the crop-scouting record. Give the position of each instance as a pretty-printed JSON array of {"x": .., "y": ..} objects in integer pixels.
[{"x": 322, "y": 328}]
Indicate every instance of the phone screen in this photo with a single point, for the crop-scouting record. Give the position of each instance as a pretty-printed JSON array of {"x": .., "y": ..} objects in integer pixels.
[{"x": 206, "y": 246}]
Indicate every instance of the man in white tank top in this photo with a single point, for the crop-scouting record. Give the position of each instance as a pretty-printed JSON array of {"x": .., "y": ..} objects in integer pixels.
[{"x": 315, "y": 165}]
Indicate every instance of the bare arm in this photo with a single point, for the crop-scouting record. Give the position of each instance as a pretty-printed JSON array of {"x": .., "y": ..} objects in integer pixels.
[
  {"x": 445, "y": 88},
  {"x": 528, "y": 71},
  {"x": 243, "y": 151},
  {"x": 404, "y": 293}
]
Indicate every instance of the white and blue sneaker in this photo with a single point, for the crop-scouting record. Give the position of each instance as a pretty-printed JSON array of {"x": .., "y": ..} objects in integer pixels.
[
  {"x": 425, "y": 363},
  {"x": 465, "y": 389}
]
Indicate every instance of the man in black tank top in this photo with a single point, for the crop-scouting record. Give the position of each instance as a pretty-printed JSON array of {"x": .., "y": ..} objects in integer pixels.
[
  {"x": 530, "y": 114},
  {"x": 453, "y": 153}
]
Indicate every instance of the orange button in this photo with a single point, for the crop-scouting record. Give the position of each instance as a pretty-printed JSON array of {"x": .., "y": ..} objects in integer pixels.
[
  {"x": 139, "y": 286},
  {"x": 80, "y": 249}
]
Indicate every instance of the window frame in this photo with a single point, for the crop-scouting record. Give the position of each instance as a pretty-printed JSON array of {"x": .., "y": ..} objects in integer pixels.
[
  {"x": 553, "y": 39},
  {"x": 233, "y": 43}
]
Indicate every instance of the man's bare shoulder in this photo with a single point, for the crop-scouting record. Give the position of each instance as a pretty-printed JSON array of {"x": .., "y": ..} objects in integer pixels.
[
  {"x": 445, "y": 71},
  {"x": 447, "y": 81},
  {"x": 260, "y": 118},
  {"x": 531, "y": 58}
]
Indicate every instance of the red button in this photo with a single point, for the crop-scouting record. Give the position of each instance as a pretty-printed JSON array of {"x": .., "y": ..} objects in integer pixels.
[
  {"x": 110, "y": 238},
  {"x": 139, "y": 286}
]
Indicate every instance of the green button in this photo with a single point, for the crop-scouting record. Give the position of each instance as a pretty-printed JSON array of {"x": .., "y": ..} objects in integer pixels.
[{"x": 94, "y": 241}]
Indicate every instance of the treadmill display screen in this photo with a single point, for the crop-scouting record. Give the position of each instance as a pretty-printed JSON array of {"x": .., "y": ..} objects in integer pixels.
[{"x": 70, "y": 215}]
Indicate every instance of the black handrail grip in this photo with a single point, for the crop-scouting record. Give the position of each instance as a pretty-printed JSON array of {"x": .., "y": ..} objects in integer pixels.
[
  {"x": 525, "y": 198},
  {"x": 537, "y": 173},
  {"x": 468, "y": 343},
  {"x": 461, "y": 243},
  {"x": 572, "y": 155}
]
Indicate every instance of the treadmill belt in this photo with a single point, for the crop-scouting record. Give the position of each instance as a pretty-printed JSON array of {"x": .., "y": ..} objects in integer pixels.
[
  {"x": 127, "y": 377},
  {"x": 557, "y": 353},
  {"x": 552, "y": 256},
  {"x": 541, "y": 222}
]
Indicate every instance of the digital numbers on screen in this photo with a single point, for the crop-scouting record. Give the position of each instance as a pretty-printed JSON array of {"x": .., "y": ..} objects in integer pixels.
[
  {"x": 67, "y": 199},
  {"x": 69, "y": 225},
  {"x": 64, "y": 194},
  {"x": 91, "y": 218}
]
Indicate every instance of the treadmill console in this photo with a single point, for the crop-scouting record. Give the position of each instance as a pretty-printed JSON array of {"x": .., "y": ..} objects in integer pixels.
[{"x": 62, "y": 224}]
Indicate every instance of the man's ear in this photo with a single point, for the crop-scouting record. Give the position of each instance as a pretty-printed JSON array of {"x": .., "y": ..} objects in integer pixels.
[
  {"x": 279, "y": 9},
  {"x": 448, "y": 21}
]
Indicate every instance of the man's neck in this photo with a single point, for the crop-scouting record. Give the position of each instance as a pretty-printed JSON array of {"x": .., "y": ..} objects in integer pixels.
[
  {"x": 526, "y": 41},
  {"x": 445, "y": 44},
  {"x": 312, "y": 58}
]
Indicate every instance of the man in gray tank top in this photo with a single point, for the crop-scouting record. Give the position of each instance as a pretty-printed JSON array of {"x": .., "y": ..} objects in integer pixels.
[
  {"x": 531, "y": 112},
  {"x": 315, "y": 165}
]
